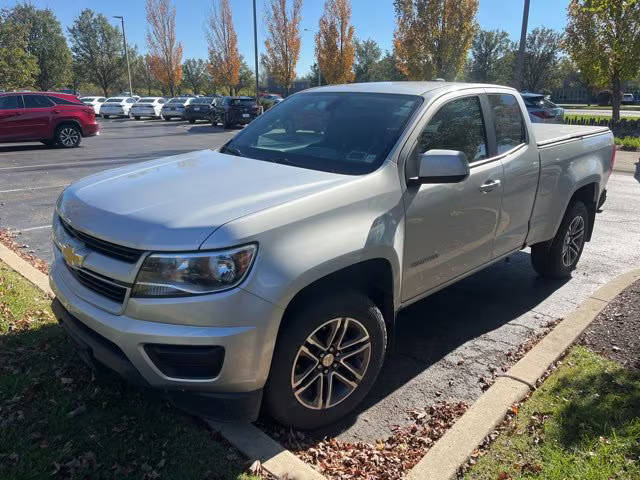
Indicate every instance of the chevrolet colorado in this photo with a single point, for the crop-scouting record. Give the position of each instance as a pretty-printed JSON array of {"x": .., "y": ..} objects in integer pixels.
[{"x": 268, "y": 273}]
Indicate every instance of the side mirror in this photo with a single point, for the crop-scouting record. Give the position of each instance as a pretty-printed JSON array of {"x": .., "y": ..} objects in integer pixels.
[{"x": 441, "y": 166}]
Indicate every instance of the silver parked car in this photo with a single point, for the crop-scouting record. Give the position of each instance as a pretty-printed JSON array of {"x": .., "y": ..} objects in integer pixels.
[
  {"x": 270, "y": 271},
  {"x": 541, "y": 109},
  {"x": 175, "y": 108}
]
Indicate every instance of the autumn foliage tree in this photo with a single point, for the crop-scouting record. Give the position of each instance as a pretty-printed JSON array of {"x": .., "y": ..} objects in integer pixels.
[
  {"x": 432, "y": 37},
  {"x": 224, "y": 58},
  {"x": 164, "y": 49},
  {"x": 335, "y": 47},
  {"x": 603, "y": 39},
  {"x": 283, "y": 41}
]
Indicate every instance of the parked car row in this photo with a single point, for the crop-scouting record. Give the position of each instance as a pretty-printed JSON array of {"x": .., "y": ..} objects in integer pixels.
[{"x": 228, "y": 111}]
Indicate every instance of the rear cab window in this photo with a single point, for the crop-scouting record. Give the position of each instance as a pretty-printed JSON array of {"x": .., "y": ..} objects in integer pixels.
[{"x": 509, "y": 126}]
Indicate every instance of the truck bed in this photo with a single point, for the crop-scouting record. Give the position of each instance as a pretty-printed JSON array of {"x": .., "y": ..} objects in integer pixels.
[{"x": 550, "y": 133}]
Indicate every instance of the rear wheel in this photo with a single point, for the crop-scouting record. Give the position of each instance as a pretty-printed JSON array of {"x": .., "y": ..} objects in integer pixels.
[
  {"x": 137, "y": 117},
  {"x": 68, "y": 136},
  {"x": 191, "y": 120},
  {"x": 326, "y": 360},
  {"x": 105, "y": 116},
  {"x": 558, "y": 257},
  {"x": 167, "y": 118},
  {"x": 226, "y": 122}
]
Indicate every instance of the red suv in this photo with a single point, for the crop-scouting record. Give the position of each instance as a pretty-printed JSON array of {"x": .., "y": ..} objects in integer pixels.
[{"x": 47, "y": 117}]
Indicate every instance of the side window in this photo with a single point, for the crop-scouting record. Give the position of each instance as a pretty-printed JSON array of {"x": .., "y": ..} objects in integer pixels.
[
  {"x": 161, "y": 101},
  {"x": 36, "y": 101},
  {"x": 458, "y": 125},
  {"x": 510, "y": 128},
  {"x": 131, "y": 100},
  {"x": 101, "y": 100},
  {"x": 10, "y": 102},
  {"x": 62, "y": 101}
]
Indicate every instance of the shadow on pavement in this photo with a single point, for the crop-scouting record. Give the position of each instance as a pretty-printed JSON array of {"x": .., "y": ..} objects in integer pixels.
[{"x": 432, "y": 328}]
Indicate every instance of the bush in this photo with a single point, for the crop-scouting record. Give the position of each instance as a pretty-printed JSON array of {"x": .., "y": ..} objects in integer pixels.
[{"x": 628, "y": 143}]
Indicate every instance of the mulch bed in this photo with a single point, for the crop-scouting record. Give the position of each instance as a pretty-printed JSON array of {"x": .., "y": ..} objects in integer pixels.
[
  {"x": 615, "y": 333},
  {"x": 9, "y": 240}
]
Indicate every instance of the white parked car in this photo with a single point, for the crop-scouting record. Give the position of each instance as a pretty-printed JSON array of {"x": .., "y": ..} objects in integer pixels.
[
  {"x": 175, "y": 108},
  {"x": 93, "y": 102},
  {"x": 117, "y": 107},
  {"x": 147, "y": 107}
]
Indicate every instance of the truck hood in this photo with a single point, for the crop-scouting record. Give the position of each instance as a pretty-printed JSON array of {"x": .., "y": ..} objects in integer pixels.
[{"x": 175, "y": 203}]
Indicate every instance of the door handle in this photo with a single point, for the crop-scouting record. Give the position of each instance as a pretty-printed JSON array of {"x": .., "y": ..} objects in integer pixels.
[{"x": 489, "y": 185}]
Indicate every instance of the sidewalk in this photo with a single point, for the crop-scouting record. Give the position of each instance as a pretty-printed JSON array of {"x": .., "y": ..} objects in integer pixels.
[{"x": 626, "y": 162}]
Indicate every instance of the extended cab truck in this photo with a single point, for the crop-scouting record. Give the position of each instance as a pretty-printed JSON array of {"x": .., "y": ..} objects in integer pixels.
[{"x": 269, "y": 272}]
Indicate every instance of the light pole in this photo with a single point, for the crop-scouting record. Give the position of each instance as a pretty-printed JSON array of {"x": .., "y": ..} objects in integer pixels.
[
  {"x": 255, "y": 45},
  {"x": 523, "y": 41},
  {"x": 126, "y": 53},
  {"x": 317, "y": 60}
]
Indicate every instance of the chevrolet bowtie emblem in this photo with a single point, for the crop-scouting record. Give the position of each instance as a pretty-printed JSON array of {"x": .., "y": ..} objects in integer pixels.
[{"x": 74, "y": 255}]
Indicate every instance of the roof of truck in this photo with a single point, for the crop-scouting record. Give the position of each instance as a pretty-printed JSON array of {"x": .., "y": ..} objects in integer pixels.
[{"x": 407, "y": 88}]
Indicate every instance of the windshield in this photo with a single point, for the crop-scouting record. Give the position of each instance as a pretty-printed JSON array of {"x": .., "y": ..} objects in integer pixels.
[
  {"x": 87, "y": 99},
  {"x": 342, "y": 132},
  {"x": 114, "y": 100},
  {"x": 177, "y": 100},
  {"x": 147, "y": 100},
  {"x": 202, "y": 100},
  {"x": 243, "y": 102}
]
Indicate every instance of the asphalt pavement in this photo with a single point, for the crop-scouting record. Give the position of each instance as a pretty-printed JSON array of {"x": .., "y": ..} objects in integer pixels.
[{"x": 445, "y": 344}]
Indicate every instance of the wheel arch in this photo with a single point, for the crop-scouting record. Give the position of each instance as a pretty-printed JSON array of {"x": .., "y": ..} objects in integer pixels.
[
  {"x": 68, "y": 121},
  {"x": 589, "y": 195}
]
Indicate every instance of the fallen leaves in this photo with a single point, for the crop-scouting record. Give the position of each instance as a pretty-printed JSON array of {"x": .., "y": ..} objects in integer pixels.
[
  {"x": 388, "y": 459},
  {"x": 8, "y": 240}
]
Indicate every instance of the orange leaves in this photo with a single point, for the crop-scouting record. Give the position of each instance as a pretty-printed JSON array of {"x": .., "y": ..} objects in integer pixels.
[
  {"x": 165, "y": 51},
  {"x": 334, "y": 42},
  {"x": 224, "y": 58},
  {"x": 283, "y": 40}
]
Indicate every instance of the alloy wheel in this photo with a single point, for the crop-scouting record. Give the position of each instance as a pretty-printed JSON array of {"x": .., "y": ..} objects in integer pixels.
[
  {"x": 331, "y": 363},
  {"x": 69, "y": 137},
  {"x": 573, "y": 241}
]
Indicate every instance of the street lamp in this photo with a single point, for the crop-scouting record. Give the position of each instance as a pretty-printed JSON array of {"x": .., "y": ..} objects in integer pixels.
[
  {"x": 317, "y": 60},
  {"x": 523, "y": 41},
  {"x": 126, "y": 53},
  {"x": 255, "y": 45}
]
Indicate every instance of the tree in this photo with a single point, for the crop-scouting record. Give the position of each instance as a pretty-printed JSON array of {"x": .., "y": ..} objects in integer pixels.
[
  {"x": 334, "y": 42},
  {"x": 46, "y": 42},
  {"x": 283, "y": 41},
  {"x": 603, "y": 39},
  {"x": 96, "y": 47},
  {"x": 246, "y": 78},
  {"x": 224, "y": 58},
  {"x": 165, "y": 50},
  {"x": 432, "y": 37},
  {"x": 488, "y": 47},
  {"x": 18, "y": 68},
  {"x": 541, "y": 58},
  {"x": 367, "y": 55},
  {"x": 195, "y": 74}
]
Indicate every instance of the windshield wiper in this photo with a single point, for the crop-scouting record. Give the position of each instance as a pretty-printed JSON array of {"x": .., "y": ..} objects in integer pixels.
[{"x": 232, "y": 150}]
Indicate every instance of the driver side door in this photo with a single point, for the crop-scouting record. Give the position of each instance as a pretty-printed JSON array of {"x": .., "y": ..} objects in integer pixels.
[{"x": 450, "y": 228}]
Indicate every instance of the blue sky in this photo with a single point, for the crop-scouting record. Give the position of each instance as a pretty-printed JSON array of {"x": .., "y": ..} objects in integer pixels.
[{"x": 371, "y": 18}]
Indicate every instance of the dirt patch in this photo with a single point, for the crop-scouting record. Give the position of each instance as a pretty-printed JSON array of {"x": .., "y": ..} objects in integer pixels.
[
  {"x": 615, "y": 333},
  {"x": 9, "y": 240}
]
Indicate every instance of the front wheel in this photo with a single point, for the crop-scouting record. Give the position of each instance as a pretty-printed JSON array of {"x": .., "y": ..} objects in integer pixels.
[
  {"x": 326, "y": 360},
  {"x": 167, "y": 118},
  {"x": 558, "y": 257},
  {"x": 105, "y": 116},
  {"x": 137, "y": 117},
  {"x": 68, "y": 136},
  {"x": 191, "y": 120}
]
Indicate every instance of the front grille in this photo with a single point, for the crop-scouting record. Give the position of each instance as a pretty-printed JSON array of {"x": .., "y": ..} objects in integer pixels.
[
  {"x": 104, "y": 287},
  {"x": 126, "y": 254}
]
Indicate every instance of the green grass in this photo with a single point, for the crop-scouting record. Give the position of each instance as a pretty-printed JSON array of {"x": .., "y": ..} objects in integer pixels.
[
  {"x": 628, "y": 143},
  {"x": 576, "y": 117},
  {"x": 114, "y": 431},
  {"x": 582, "y": 423}
]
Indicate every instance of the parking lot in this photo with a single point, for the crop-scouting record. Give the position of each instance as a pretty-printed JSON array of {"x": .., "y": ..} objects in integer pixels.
[{"x": 445, "y": 346}]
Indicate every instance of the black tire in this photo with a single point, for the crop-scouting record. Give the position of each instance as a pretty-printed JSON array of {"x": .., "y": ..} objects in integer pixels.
[
  {"x": 279, "y": 398},
  {"x": 137, "y": 117},
  {"x": 191, "y": 120},
  {"x": 105, "y": 116},
  {"x": 68, "y": 136},
  {"x": 167, "y": 118},
  {"x": 550, "y": 259},
  {"x": 226, "y": 123}
]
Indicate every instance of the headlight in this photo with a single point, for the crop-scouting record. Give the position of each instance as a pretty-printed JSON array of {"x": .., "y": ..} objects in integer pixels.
[{"x": 181, "y": 274}]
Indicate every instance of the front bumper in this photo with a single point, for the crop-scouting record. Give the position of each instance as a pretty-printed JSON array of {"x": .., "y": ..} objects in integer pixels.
[
  {"x": 242, "y": 323},
  {"x": 173, "y": 113},
  {"x": 91, "y": 129}
]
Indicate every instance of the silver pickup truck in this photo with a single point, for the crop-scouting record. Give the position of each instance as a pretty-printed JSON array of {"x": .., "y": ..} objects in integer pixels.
[{"x": 268, "y": 273}]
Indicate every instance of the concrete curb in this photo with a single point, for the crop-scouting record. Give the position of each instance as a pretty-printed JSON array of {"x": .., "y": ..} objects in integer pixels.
[
  {"x": 257, "y": 445},
  {"x": 247, "y": 438},
  {"x": 444, "y": 459},
  {"x": 25, "y": 269}
]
